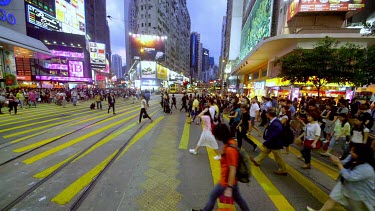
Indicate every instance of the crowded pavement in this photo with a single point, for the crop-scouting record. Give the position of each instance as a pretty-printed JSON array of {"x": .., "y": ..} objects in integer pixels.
[{"x": 50, "y": 154}]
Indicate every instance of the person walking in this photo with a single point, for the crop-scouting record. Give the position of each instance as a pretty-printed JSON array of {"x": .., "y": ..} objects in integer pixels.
[
  {"x": 32, "y": 98},
  {"x": 243, "y": 128},
  {"x": 174, "y": 102},
  {"x": 183, "y": 103},
  {"x": 355, "y": 187},
  {"x": 254, "y": 114},
  {"x": 111, "y": 102},
  {"x": 273, "y": 143},
  {"x": 207, "y": 139},
  {"x": 21, "y": 98},
  {"x": 74, "y": 97},
  {"x": 227, "y": 185},
  {"x": 13, "y": 103},
  {"x": 311, "y": 136},
  {"x": 143, "y": 112}
]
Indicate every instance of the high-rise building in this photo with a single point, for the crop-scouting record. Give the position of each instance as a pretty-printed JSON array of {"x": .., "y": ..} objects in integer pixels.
[
  {"x": 97, "y": 29},
  {"x": 211, "y": 61},
  {"x": 205, "y": 62},
  {"x": 117, "y": 65},
  {"x": 200, "y": 61},
  {"x": 194, "y": 54},
  {"x": 130, "y": 22},
  {"x": 167, "y": 18}
]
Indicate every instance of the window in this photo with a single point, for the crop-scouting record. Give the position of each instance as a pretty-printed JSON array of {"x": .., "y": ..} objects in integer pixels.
[
  {"x": 149, "y": 24},
  {"x": 264, "y": 73},
  {"x": 256, "y": 75},
  {"x": 142, "y": 24},
  {"x": 142, "y": 16}
]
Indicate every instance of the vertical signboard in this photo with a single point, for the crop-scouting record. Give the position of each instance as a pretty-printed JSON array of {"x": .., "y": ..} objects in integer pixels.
[
  {"x": 10, "y": 74},
  {"x": 148, "y": 69},
  {"x": 97, "y": 56}
]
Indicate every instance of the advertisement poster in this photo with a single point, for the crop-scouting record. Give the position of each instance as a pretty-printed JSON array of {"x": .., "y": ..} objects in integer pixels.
[
  {"x": 1, "y": 65},
  {"x": 257, "y": 26},
  {"x": 97, "y": 56},
  {"x": 162, "y": 73},
  {"x": 9, "y": 68},
  {"x": 299, "y": 6},
  {"x": 148, "y": 69},
  {"x": 76, "y": 69},
  {"x": 58, "y": 15},
  {"x": 148, "y": 47}
]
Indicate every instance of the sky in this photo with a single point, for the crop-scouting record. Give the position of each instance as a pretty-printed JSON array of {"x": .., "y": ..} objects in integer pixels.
[{"x": 206, "y": 18}]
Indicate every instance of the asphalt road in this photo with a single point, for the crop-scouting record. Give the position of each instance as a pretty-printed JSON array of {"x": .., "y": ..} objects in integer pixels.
[{"x": 50, "y": 156}]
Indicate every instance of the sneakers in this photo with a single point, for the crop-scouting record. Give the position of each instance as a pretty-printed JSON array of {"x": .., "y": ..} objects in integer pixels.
[
  {"x": 193, "y": 151},
  {"x": 217, "y": 157},
  {"x": 309, "y": 208}
]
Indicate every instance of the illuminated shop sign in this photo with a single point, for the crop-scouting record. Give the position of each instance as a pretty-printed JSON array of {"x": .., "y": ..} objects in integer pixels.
[
  {"x": 57, "y": 67},
  {"x": 58, "y": 78},
  {"x": 76, "y": 69},
  {"x": 42, "y": 19},
  {"x": 148, "y": 83},
  {"x": 68, "y": 54},
  {"x": 4, "y": 15}
]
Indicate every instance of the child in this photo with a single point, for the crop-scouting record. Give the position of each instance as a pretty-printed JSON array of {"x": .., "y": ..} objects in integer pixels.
[{"x": 92, "y": 106}]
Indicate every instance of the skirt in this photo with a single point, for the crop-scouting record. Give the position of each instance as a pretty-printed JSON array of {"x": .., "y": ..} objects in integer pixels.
[{"x": 208, "y": 140}]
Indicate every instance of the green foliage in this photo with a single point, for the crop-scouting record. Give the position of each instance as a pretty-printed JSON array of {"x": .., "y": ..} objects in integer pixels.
[{"x": 328, "y": 63}]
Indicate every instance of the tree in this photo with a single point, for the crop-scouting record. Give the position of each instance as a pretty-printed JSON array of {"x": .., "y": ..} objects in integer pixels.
[
  {"x": 318, "y": 65},
  {"x": 365, "y": 74}
]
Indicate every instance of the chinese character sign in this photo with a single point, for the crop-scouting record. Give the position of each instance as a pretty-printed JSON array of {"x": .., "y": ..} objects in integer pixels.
[{"x": 76, "y": 69}]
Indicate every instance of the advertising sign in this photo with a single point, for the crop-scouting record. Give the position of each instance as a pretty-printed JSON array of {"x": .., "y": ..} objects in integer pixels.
[
  {"x": 58, "y": 15},
  {"x": 257, "y": 26},
  {"x": 97, "y": 56},
  {"x": 76, "y": 69},
  {"x": 147, "y": 47},
  {"x": 148, "y": 69},
  {"x": 298, "y": 6},
  {"x": 10, "y": 73},
  {"x": 59, "y": 78},
  {"x": 42, "y": 19},
  {"x": 162, "y": 73},
  {"x": 100, "y": 77},
  {"x": 4, "y": 15},
  {"x": 148, "y": 82}
]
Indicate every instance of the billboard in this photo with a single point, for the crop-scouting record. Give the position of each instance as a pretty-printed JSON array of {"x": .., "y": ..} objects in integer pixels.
[
  {"x": 147, "y": 47},
  {"x": 162, "y": 73},
  {"x": 57, "y": 15},
  {"x": 97, "y": 56},
  {"x": 257, "y": 26},
  {"x": 148, "y": 69},
  {"x": 299, "y": 6}
]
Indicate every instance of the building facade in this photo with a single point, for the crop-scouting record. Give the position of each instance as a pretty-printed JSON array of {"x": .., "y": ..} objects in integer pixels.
[
  {"x": 117, "y": 66},
  {"x": 168, "y": 18},
  {"x": 194, "y": 55}
]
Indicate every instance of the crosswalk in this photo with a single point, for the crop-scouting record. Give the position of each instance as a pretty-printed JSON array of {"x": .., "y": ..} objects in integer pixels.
[{"x": 69, "y": 147}]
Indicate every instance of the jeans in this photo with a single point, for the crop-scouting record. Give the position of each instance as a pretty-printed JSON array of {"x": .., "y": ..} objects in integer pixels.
[
  {"x": 21, "y": 103},
  {"x": 341, "y": 141},
  {"x": 243, "y": 135},
  {"x": 306, "y": 154},
  {"x": 99, "y": 105},
  {"x": 218, "y": 191},
  {"x": 111, "y": 105},
  {"x": 75, "y": 98}
]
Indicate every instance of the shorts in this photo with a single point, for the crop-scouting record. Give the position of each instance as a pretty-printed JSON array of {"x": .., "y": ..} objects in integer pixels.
[{"x": 252, "y": 119}]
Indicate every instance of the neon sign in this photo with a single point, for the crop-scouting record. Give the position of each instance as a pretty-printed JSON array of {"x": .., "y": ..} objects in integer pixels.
[
  {"x": 59, "y": 78},
  {"x": 4, "y": 16},
  {"x": 57, "y": 67},
  {"x": 76, "y": 69},
  {"x": 68, "y": 54}
]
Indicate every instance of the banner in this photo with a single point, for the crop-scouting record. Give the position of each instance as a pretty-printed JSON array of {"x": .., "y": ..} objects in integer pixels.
[
  {"x": 147, "y": 47},
  {"x": 97, "y": 56},
  {"x": 148, "y": 69},
  {"x": 162, "y": 73}
]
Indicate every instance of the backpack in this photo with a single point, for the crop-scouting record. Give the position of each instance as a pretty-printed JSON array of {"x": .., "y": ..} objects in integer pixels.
[{"x": 243, "y": 173}]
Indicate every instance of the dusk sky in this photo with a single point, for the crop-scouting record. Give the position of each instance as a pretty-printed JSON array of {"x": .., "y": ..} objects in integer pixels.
[{"x": 206, "y": 18}]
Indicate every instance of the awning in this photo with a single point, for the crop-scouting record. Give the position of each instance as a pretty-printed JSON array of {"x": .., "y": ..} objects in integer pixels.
[
  {"x": 10, "y": 37},
  {"x": 278, "y": 46}
]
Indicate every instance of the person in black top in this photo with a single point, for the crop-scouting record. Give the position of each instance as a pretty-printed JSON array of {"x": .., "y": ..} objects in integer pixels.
[
  {"x": 111, "y": 102},
  {"x": 245, "y": 127},
  {"x": 173, "y": 102},
  {"x": 365, "y": 115},
  {"x": 183, "y": 100}
]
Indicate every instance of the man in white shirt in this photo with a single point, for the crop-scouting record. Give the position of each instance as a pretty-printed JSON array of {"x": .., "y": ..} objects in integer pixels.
[{"x": 254, "y": 115}]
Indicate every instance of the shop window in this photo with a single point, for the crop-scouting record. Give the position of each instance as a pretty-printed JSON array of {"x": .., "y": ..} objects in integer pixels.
[
  {"x": 264, "y": 73},
  {"x": 256, "y": 75}
]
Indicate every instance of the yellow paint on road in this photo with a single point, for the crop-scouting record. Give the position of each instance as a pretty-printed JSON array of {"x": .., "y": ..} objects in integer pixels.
[
  {"x": 73, "y": 142},
  {"x": 72, "y": 190},
  {"x": 184, "y": 142},
  {"x": 53, "y": 168},
  {"x": 40, "y": 143},
  {"x": 140, "y": 135}
]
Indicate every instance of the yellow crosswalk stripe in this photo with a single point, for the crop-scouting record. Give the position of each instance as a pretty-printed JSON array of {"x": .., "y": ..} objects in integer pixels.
[
  {"x": 53, "y": 168},
  {"x": 185, "y": 137},
  {"x": 72, "y": 190}
]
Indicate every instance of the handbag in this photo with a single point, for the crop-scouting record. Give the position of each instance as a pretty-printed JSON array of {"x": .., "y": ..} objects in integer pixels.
[
  {"x": 307, "y": 144},
  {"x": 145, "y": 116}
]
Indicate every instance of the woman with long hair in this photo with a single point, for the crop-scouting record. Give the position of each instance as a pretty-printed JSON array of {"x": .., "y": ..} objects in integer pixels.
[
  {"x": 207, "y": 139},
  {"x": 339, "y": 135},
  {"x": 355, "y": 188}
]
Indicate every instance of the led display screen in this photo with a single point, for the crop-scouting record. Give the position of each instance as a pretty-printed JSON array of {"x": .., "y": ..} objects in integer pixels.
[
  {"x": 257, "y": 26},
  {"x": 147, "y": 47},
  {"x": 97, "y": 56},
  {"x": 57, "y": 15}
]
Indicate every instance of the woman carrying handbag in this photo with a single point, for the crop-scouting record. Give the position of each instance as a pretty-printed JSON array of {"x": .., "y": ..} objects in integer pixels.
[{"x": 311, "y": 136}]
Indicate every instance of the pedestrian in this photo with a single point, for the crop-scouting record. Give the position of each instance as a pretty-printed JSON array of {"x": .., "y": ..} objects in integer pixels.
[
  {"x": 21, "y": 98},
  {"x": 183, "y": 103},
  {"x": 13, "y": 103},
  {"x": 32, "y": 98},
  {"x": 98, "y": 99},
  {"x": 311, "y": 138},
  {"x": 174, "y": 102},
  {"x": 206, "y": 139},
  {"x": 143, "y": 112},
  {"x": 74, "y": 97},
  {"x": 243, "y": 128},
  {"x": 340, "y": 135},
  {"x": 355, "y": 186},
  {"x": 227, "y": 185},
  {"x": 273, "y": 143},
  {"x": 254, "y": 115},
  {"x": 111, "y": 102}
]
